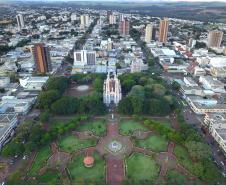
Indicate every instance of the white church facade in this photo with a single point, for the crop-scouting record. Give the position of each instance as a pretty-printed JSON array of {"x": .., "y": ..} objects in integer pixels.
[{"x": 112, "y": 90}]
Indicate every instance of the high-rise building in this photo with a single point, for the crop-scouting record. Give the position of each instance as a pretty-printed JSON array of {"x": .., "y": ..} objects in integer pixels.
[
  {"x": 84, "y": 57},
  {"x": 148, "y": 33},
  {"x": 121, "y": 17},
  {"x": 112, "y": 19},
  {"x": 124, "y": 27},
  {"x": 20, "y": 21},
  {"x": 215, "y": 38},
  {"x": 42, "y": 58},
  {"x": 84, "y": 20},
  {"x": 108, "y": 15},
  {"x": 163, "y": 30}
]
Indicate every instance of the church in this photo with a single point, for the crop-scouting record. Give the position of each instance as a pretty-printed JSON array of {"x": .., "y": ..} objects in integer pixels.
[{"x": 112, "y": 90}]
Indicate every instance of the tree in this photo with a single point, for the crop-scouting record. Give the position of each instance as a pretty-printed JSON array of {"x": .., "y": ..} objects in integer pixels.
[
  {"x": 98, "y": 84},
  {"x": 125, "y": 106},
  {"x": 65, "y": 105},
  {"x": 127, "y": 85},
  {"x": 198, "y": 150},
  {"x": 44, "y": 117},
  {"x": 57, "y": 83},
  {"x": 46, "y": 98},
  {"x": 158, "y": 90}
]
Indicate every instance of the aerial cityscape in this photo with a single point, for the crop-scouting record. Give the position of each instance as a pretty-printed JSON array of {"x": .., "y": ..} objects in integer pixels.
[{"x": 112, "y": 92}]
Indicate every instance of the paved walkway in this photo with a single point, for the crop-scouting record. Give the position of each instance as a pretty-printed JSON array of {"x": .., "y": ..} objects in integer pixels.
[{"x": 115, "y": 173}]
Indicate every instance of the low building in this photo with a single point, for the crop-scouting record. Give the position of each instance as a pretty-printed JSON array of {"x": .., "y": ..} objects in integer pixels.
[
  {"x": 33, "y": 83},
  {"x": 190, "y": 82},
  {"x": 211, "y": 83},
  {"x": 201, "y": 105},
  {"x": 216, "y": 124},
  {"x": 13, "y": 105},
  {"x": 8, "y": 122},
  {"x": 4, "y": 81}
]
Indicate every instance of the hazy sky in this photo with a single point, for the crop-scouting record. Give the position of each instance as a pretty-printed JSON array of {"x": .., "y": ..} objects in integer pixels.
[{"x": 130, "y": 0}]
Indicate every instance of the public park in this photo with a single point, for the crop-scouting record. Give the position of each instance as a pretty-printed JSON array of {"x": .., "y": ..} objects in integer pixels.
[{"x": 109, "y": 147}]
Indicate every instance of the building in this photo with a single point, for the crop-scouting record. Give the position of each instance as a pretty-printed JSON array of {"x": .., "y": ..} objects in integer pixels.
[
  {"x": 124, "y": 27},
  {"x": 203, "y": 105},
  {"x": 112, "y": 90},
  {"x": 121, "y": 17},
  {"x": 190, "y": 82},
  {"x": 73, "y": 17},
  {"x": 216, "y": 124},
  {"x": 20, "y": 21},
  {"x": 106, "y": 44},
  {"x": 108, "y": 15},
  {"x": 112, "y": 19},
  {"x": 211, "y": 83},
  {"x": 163, "y": 30},
  {"x": 84, "y": 21},
  {"x": 148, "y": 33},
  {"x": 191, "y": 43},
  {"x": 42, "y": 58},
  {"x": 4, "y": 81},
  {"x": 33, "y": 83},
  {"x": 11, "y": 104},
  {"x": 8, "y": 122},
  {"x": 137, "y": 66},
  {"x": 84, "y": 57},
  {"x": 215, "y": 38}
]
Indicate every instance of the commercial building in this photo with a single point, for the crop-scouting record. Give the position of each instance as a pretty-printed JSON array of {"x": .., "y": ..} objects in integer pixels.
[
  {"x": 216, "y": 124},
  {"x": 20, "y": 21},
  {"x": 124, "y": 27},
  {"x": 148, "y": 33},
  {"x": 163, "y": 30},
  {"x": 84, "y": 57},
  {"x": 202, "y": 105},
  {"x": 215, "y": 38},
  {"x": 42, "y": 58}
]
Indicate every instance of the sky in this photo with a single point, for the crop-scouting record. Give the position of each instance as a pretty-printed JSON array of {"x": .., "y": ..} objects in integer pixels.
[{"x": 136, "y": 0}]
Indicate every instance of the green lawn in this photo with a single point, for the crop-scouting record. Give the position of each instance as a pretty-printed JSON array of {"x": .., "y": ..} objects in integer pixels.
[
  {"x": 79, "y": 173},
  {"x": 50, "y": 177},
  {"x": 71, "y": 143},
  {"x": 127, "y": 127},
  {"x": 141, "y": 169},
  {"x": 98, "y": 127},
  {"x": 155, "y": 143},
  {"x": 40, "y": 160},
  {"x": 176, "y": 178},
  {"x": 183, "y": 157}
]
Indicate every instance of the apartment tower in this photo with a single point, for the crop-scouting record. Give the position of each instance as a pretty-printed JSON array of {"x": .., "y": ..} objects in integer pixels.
[
  {"x": 215, "y": 38},
  {"x": 163, "y": 30},
  {"x": 42, "y": 58},
  {"x": 20, "y": 21},
  {"x": 148, "y": 33},
  {"x": 124, "y": 27}
]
